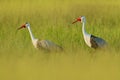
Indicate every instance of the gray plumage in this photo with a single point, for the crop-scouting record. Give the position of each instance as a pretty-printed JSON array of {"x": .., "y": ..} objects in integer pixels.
[
  {"x": 97, "y": 42},
  {"x": 48, "y": 45}
]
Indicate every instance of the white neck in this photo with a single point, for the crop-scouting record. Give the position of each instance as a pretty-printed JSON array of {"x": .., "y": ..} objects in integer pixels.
[
  {"x": 83, "y": 29},
  {"x": 86, "y": 35},
  {"x": 31, "y": 35}
]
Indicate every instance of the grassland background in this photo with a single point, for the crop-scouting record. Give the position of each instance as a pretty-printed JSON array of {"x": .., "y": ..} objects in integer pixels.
[{"x": 51, "y": 20}]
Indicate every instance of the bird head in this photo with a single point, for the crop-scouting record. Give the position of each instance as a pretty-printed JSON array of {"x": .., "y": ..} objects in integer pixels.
[
  {"x": 24, "y": 26},
  {"x": 81, "y": 19}
]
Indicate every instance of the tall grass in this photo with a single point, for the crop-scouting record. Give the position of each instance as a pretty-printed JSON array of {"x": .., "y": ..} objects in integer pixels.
[{"x": 51, "y": 20}]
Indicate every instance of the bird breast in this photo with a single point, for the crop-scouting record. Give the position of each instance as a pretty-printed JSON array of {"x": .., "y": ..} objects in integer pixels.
[
  {"x": 35, "y": 42},
  {"x": 87, "y": 39}
]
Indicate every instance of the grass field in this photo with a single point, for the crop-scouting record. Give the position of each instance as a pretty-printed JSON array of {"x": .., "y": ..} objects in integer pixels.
[{"x": 51, "y": 20}]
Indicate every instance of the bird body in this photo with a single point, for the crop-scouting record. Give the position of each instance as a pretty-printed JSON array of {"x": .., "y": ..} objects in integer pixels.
[
  {"x": 91, "y": 40},
  {"x": 97, "y": 42},
  {"x": 48, "y": 45},
  {"x": 41, "y": 44}
]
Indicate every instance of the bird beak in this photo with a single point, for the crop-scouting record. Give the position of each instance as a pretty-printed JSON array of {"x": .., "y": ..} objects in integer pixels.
[
  {"x": 23, "y": 26},
  {"x": 78, "y": 19},
  {"x": 74, "y": 22}
]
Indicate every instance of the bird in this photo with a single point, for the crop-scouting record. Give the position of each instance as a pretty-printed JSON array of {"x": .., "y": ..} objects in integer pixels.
[
  {"x": 91, "y": 40},
  {"x": 41, "y": 44}
]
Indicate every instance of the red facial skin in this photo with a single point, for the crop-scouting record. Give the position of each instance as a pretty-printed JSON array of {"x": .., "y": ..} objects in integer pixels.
[
  {"x": 78, "y": 19},
  {"x": 23, "y": 26}
]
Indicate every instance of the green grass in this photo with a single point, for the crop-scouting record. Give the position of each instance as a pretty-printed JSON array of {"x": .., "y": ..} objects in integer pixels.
[{"x": 51, "y": 20}]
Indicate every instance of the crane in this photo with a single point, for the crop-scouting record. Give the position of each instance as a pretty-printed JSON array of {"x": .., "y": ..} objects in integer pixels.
[
  {"x": 41, "y": 44},
  {"x": 91, "y": 40}
]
